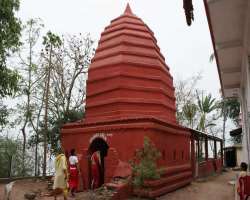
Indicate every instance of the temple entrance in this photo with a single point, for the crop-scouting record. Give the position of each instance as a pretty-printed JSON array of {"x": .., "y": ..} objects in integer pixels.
[{"x": 98, "y": 150}]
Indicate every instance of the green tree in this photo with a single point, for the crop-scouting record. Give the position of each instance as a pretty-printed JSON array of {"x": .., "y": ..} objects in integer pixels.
[
  {"x": 3, "y": 115},
  {"x": 229, "y": 108},
  {"x": 11, "y": 158},
  {"x": 56, "y": 125},
  {"x": 10, "y": 28},
  {"x": 68, "y": 88},
  {"x": 189, "y": 112},
  {"x": 185, "y": 93},
  {"x": 51, "y": 42},
  {"x": 8, "y": 150},
  {"x": 206, "y": 105},
  {"x": 56, "y": 89},
  {"x": 28, "y": 62}
]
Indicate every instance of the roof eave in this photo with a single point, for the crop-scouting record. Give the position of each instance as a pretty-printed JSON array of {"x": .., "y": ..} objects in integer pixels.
[{"x": 213, "y": 42}]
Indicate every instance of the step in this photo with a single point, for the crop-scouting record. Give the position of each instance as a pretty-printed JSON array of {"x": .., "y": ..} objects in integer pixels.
[
  {"x": 169, "y": 188},
  {"x": 160, "y": 191},
  {"x": 115, "y": 186},
  {"x": 175, "y": 169},
  {"x": 167, "y": 180}
]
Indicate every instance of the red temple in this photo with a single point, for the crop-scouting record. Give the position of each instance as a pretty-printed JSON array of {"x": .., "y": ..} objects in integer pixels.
[{"x": 130, "y": 95}]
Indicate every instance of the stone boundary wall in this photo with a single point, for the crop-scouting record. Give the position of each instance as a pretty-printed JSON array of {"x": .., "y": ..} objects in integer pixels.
[{"x": 8, "y": 180}]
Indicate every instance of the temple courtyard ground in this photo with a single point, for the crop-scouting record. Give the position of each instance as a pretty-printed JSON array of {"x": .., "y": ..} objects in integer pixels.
[
  {"x": 215, "y": 187},
  {"x": 212, "y": 188}
]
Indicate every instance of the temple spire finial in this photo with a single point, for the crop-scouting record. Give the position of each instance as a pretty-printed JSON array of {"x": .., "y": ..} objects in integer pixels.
[{"x": 128, "y": 10}]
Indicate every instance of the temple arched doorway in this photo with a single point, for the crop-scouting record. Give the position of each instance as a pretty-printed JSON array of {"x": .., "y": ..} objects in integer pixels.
[{"x": 97, "y": 151}]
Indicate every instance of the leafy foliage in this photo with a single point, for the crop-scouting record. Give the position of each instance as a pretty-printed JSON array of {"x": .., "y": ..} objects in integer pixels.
[
  {"x": 51, "y": 40},
  {"x": 8, "y": 82},
  {"x": 189, "y": 112},
  {"x": 189, "y": 11},
  {"x": 4, "y": 114},
  {"x": 11, "y": 158},
  {"x": 185, "y": 93},
  {"x": 194, "y": 108},
  {"x": 54, "y": 132},
  {"x": 144, "y": 165},
  {"x": 236, "y": 139},
  {"x": 230, "y": 108},
  {"x": 206, "y": 105},
  {"x": 53, "y": 85},
  {"x": 10, "y": 28},
  {"x": 28, "y": 63},
  {"x": 53, "y": 135}
]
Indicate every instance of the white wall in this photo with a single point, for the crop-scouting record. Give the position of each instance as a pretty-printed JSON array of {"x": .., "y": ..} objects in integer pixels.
[
  {"x": 239, "y": 156},
  {"x": 245, "y": 104}
]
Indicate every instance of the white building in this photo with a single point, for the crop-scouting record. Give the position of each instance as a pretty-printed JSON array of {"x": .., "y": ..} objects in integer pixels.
[{"x": 229, "y": 23}]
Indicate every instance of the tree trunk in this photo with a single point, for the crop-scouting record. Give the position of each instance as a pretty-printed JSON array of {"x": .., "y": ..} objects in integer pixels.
[
  {"x": 36, "y": 161},
  {"x": 23, "y": 151},
  {"x": 38, "y": 165},
  {"x": 27, "y": 109},
  {"x": 36, "y": 129},
  {"x": 45, "y": 132}
]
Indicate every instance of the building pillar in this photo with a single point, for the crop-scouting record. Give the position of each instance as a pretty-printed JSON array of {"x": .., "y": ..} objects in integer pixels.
[
  {"x": 221, "y": 152},
  {"x": 206, "y": 148},
  {"x": 193, "y": 156},
  {"x": 215, "y": 149},
  {"x": 245, "y": 105},
  {"x": 247, "y": 96},
  {"x": 198, "y": 149},
  {"x": 245, "y": 126}
]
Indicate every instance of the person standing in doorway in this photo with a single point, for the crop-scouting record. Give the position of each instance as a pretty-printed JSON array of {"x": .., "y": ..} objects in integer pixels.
[
  {"x": 95, "y": 169},
  {"x": 74, "y": 172}
]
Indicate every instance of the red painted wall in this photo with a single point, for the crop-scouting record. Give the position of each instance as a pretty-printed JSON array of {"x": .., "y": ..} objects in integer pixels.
[
  {"x": 124, "y": 139},
  {"x": 209, "y": 167}
]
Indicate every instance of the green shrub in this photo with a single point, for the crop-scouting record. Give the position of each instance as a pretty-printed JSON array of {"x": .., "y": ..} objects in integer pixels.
[{"x": 144, "y": 166}]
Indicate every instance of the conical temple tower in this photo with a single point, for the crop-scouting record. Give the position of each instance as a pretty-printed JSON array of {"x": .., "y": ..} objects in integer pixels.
[
  {"x": 128, "y": 77},
  {"x": 130, "y": 96}
]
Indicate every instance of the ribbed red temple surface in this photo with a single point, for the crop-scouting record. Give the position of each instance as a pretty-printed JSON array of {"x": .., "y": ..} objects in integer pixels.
[{"x": 128, "y": 76}]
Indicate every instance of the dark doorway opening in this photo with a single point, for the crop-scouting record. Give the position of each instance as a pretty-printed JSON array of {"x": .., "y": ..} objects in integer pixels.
[
  {"x": 230, "y": 156},
  {"x": 98, "y": 144}
]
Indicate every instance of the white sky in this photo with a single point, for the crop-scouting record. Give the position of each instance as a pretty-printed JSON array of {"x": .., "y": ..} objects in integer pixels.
[{"x": 186, "y": 49}]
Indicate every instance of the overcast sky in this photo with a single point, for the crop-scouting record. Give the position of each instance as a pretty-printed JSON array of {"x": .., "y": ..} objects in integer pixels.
[{"x": 186, "y": 49}]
